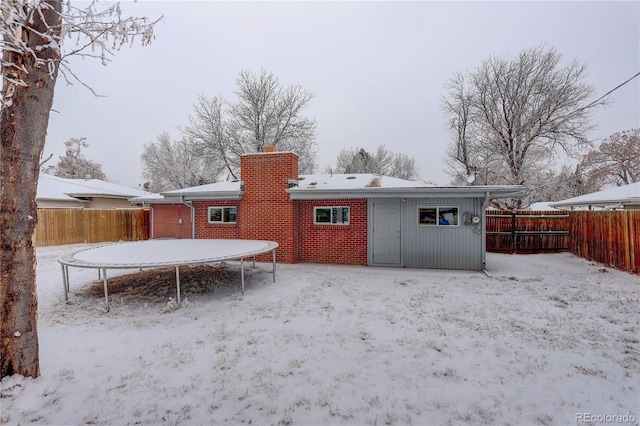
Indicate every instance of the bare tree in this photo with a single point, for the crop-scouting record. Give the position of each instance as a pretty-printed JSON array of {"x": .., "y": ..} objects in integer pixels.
[
  {"x": 73, "y": 164},
  {"x": 402, "y": 166},
  {"x": 616, "y": 161},
  {"x": 174, "y": 165},
  {"x": 383, "y": 162},
  {"x": 509, "y": 117},
  {"x": 32, "y": 34},
  {"x": 549, "y": 185},
  {"x": 265, "y": 114},
  {"x": 355, "y": 160}
]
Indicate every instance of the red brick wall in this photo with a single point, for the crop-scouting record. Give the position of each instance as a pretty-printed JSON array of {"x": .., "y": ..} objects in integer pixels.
[
  {"x": 204, "y": 229},
  {"x": 266, "y": 212},
  {"x": 341, "y": 244},
  {"x": 166, "y": 221}
]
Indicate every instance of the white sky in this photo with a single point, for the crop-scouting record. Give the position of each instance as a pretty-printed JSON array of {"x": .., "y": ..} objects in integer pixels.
[{"x": 376, "y": 69}]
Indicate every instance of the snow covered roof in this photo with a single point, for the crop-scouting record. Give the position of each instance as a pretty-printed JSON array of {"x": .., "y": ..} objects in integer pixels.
[
  {"x": 321, "y": 186},
  {"x": 55, "y": 188},
  {"x": 218, "y": 190},
  {"x": 616, "y": 197},
  {"x": 227, "y": 190},
  {"x": 373, "y": 186},
  {"x": 352, "y": 181}
]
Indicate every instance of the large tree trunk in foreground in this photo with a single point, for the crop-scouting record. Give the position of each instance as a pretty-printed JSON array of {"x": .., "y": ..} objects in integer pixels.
[{"x": 24, "y": 119}]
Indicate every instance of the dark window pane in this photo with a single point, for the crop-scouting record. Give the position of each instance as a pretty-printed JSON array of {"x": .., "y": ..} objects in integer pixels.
[
  {"x": 323, "y": 215},
  {"x": 215, "y": 215},
  {"x": 427, "y": 216},
  {"x": 230, "y": 214}
]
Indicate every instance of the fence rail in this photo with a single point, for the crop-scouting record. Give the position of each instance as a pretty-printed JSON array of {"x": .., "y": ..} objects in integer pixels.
[
  {"x": 72, "y": 226},
  {"x": 525, "y": 231}
]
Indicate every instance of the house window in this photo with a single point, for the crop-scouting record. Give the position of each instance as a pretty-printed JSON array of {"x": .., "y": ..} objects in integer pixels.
[
  {"x": 437, "y": 216},
  {"x": 222, "y": 215},
  {"x": 331, "y": 215}
]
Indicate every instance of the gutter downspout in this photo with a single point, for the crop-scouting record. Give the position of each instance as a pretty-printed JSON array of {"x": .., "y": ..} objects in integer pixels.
[
  {"x": 193, "y": 216},
  {"x": 483, "y": 224}
]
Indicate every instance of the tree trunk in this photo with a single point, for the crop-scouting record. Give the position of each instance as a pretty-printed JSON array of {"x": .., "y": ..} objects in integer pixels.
[{"x": 24, "y": 118}]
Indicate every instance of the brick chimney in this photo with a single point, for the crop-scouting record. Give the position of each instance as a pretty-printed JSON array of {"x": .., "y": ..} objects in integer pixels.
[{"x": 266, "y": 212}]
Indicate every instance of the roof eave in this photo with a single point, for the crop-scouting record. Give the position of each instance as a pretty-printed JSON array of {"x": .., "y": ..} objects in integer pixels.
[
  {"x": 203, "y": 196},
  {"x": 90, "y": 195},
  {"x": 77, "y": 200}
]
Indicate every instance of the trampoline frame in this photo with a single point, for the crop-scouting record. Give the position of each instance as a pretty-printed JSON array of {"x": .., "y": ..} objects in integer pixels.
[{"x": 68, "y": 260}]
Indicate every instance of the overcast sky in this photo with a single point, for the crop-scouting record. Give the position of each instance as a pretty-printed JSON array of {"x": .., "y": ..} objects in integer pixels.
[{"x": 376, "y": 69}]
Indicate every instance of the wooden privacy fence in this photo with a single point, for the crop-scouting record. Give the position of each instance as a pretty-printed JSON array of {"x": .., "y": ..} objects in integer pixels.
[
  {"x": 524, "y": 231},
  {"x": 72, "y": 226},
  {"x": 609, "y": 237}
]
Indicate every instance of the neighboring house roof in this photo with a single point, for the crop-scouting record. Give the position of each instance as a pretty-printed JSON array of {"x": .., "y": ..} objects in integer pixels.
[
  {"x": 627, "y": 196},
  {"x": 317, "y": 186},
  {"x": 52, "y": 188},
  {"x": 541, "y": 206},
  {"x": 55, "y": 188}
]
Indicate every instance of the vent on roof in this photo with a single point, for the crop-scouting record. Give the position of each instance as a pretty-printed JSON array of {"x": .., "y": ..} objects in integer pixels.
[
  {"x": 375, "y": 183},
  {"x": 351, "y": 177},
  {"x": 313, "y": 183}
]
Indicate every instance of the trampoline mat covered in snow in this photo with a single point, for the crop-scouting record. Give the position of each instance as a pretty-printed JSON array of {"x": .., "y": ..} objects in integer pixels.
[
  {"x": 163, "y": 253},
  {"x": 159, "y": 253}
]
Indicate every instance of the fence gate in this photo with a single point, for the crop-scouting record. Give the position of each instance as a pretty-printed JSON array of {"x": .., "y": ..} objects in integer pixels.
[{"x": 524, "y": 231}]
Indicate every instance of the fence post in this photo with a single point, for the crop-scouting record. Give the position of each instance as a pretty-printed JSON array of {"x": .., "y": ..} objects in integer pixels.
[{"x": 514, "y": 237}]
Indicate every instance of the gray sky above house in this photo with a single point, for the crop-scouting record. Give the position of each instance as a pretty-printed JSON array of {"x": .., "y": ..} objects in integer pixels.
[{"x": 377, "y": 70}]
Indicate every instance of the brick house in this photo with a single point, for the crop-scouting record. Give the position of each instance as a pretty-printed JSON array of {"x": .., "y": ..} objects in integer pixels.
[{"x": 358, "y": 219}]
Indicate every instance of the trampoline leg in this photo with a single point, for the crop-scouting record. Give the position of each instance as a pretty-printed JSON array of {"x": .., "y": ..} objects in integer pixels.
[
  {"x": 106, "y": 293},
  {"x": 273, "y": 253},
  {"x": 66, "y": 275},
  {"x": 254, "y": 262},
  {"x": 242, "y": 273},
  {"x": 178, "y": 285},
  {"x": 64, "y": 283}
]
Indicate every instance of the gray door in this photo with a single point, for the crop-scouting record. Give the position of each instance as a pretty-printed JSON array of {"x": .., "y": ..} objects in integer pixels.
[{"x": 386, "y": 231}]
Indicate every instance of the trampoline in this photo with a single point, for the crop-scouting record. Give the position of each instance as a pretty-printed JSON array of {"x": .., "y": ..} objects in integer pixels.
[{"x": 163, "y": 253}]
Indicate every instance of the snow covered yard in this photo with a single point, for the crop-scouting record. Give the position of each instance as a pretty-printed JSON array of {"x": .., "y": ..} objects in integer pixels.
[{"x": 541, "y": 340}]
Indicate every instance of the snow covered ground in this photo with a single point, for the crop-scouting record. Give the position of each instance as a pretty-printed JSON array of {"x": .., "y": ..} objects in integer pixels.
[{"x": 542, "y": 340}]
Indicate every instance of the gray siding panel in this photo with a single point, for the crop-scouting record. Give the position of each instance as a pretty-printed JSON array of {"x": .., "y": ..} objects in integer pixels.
[{"x": 440, "y": 247}]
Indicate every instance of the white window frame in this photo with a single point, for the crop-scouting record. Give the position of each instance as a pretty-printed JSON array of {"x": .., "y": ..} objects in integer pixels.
[
  {"x": 223, "y": 208},
  {"x": 332, "y": 215},
  {"x": 437, "y": 218}
]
